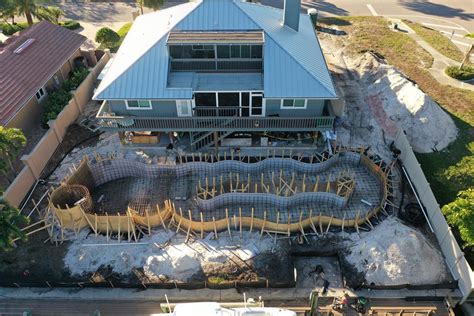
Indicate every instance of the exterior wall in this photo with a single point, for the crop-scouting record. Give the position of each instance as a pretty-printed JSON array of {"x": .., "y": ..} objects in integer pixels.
[
  {"x": 30, "y": 113},
  {"x": 39, "y": 156},
  {"x": 314, "y": 108},
  {"x": 28, "y": 116},
  {"x": 165, "y": 108},
  {"x": 63, "y": 72}
]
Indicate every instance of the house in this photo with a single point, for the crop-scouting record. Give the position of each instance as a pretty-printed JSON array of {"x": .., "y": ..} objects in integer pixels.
[
  {"x": 31, "y": 63},
  {"x": 215, "y": 68}
]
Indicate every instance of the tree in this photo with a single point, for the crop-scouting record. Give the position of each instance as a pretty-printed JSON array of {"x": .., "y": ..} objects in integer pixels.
[
  {"x": 12, "y": 140},
  {"x": 10, "y": 222},
  {"x": 51, "y": 14},
  {"x": 7, "y": 10},
  {"x": 460, "y": 213},
  {"x": 153, "y": 4},
  {"x": 24, "y": 7},
  {"x": 107, "y": 37}
]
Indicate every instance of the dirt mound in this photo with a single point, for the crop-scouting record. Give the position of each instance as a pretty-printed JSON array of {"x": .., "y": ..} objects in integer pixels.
[
  {"x": 396, "y": 102},
  {"x": 395, "y": 254}
]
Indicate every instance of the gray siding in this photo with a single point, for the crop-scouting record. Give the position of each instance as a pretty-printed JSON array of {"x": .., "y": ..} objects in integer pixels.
[
  {"x": 314, "y": 108},
  {"x": 159, "y": 109},
  {"x": 168, "y": 109}
]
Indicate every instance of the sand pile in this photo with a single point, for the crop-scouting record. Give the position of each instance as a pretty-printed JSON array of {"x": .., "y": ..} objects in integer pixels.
[
  {"x": 397, "y": 102},
  {"x": 177, "y": 261},
  {"x": 394, "y": 254}
]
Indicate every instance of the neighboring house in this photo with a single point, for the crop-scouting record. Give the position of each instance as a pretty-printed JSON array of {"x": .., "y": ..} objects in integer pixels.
[
  {"x": 31, "y": 63},
  {"x": 212, "y": 68}
]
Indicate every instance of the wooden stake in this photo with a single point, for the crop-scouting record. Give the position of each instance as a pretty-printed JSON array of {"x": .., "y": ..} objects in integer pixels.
[
  {"x": 202, "y": 226},
  {"x": 320, "y": 223},
  {"x": 95, "y": 220},
  {"x": 148, "y": 222},
  {"x": 215, "y": 227},
  {"x": 107, "y": 231},
  {"x": 311, "y": 222},
  {"x": 289, "y": 223},
  {"x": 228, "y": 222},
  {"x": 190, "y": 221},
  {"x": 161, "y": 217},
  {"x": 180, "y": 219},
  {"x": 251, "y": 219},
  {"x": 329, "y": 224},
  {"x": 264, "y": 222},
  {"x": 240, "y": 221},
  {"x": 119, "y": 232}
]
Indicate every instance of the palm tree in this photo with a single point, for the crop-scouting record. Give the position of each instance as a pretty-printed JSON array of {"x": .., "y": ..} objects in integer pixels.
[
  {"x": 28, "y": 8},
  {"x": 10, "y": 222},
  {"x": 7, "y": 10},
  {"x": 51, "y": 14},
  {"x": 154, "y": 4}
]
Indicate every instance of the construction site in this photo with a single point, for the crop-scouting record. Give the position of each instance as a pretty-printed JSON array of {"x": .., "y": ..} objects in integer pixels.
[{"x": 334, "y": 215}]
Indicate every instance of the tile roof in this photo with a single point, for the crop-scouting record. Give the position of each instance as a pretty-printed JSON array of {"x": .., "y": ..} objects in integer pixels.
[
  {"x": 23, "y": 74},
  {"x": 294, "y": 65}
]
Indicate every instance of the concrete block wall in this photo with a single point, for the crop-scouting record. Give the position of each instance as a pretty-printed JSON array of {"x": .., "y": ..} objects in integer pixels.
[{"x": 39, "y": 156}]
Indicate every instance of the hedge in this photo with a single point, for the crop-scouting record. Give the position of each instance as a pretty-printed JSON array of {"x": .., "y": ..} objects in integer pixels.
[
  {"x": 70, "y": 25},
  {"x": 10, "y": 29},
  {"x": 58, "y": 99},
  {"x": 465, "y": 73}
]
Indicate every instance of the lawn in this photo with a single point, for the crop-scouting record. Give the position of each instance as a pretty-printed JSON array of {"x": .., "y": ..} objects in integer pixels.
[
  {"x": 437, "y": 40},
  {"x": 448, "y": 171}
]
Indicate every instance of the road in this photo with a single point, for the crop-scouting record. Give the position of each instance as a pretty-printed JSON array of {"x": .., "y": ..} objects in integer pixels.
[
  {"x": 447, "y": 16},
  {"x": 454, "y": 18}
]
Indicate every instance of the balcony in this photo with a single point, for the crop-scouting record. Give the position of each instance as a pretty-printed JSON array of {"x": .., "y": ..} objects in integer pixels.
[{"x": 205, "y": 119}]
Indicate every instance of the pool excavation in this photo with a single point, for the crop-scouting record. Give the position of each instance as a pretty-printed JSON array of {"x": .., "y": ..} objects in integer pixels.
[{"x": 276, "y": 194}]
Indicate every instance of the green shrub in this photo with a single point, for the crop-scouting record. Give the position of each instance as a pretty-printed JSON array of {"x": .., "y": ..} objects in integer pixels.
[
  {"x": 107, "y": 37},
  {"x": 56, "y": 102},
  {"x": 10, "y": 29},
  {"x": 465, "y": 73},
  {"x": 460, "y": 214},
  {"x": 58, "y": 99},
  {"x": 70, "y": 25},
  {"x": 78, "y": 77}
]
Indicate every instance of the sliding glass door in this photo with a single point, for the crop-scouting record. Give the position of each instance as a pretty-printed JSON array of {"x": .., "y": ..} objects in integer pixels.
[{"x": 229, "y": 104}]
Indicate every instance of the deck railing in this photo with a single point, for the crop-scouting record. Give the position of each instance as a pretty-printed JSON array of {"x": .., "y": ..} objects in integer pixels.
[{"x": 107, "y": 120}]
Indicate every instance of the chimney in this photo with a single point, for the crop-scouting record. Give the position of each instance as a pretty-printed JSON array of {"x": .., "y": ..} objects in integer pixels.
[{"x": 291, "y": 14}]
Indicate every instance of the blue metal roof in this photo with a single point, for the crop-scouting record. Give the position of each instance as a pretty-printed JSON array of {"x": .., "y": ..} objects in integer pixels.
[
  {"x": 222, "y": 15},
  {"x": 294, "y": 65},
  {"x": 285, "y": 76}
]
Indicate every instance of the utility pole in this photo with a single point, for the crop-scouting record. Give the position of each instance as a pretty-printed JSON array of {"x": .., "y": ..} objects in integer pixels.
[{"x": 468, "y": 55}]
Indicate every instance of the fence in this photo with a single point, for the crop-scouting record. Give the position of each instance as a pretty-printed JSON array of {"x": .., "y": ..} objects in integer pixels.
[
  {"x": 454, "y": 256},
  {"x": 39, "y": 156}
]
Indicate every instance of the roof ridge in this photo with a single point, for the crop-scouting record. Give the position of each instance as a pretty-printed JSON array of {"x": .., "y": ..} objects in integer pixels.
[
  {"x": 285, "y": 50},
  {"x": 98, "y": 93}
]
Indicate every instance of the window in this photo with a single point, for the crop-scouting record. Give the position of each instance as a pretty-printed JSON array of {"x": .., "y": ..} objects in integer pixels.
[
  {"x": 138, "y": 105},
  {"x": 192, "y": 51},
  {"x": 235, "y": 51},
  {"x": 256, "y": 51},
  {"x": 40, "y": 94},
  {"x": 239, "y": 51},
  {"x": 223, "y": 51},
  {"x": 245, "y": 51},
  {"x": 293, "y": 104}
]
